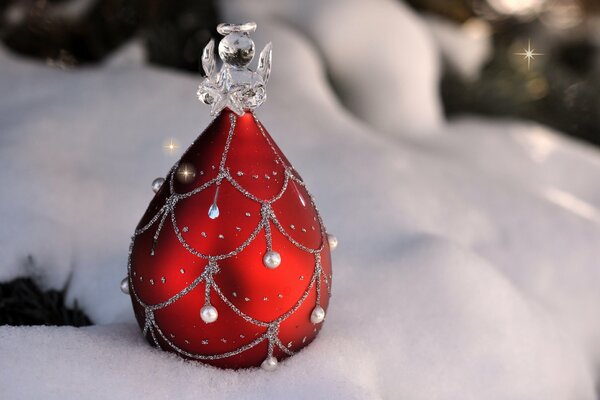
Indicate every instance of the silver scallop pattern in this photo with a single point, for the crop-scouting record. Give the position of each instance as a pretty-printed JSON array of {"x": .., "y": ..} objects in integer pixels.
[{"x": 212, "y": 267}]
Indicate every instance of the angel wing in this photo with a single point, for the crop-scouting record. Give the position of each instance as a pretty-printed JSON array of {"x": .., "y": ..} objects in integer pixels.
[
  {"x": 208, "y": 59},
  {"x": 264, "y": 63}
]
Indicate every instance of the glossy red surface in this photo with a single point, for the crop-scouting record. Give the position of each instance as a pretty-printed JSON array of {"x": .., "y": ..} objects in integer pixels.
[{"x": 262, "y": 293}]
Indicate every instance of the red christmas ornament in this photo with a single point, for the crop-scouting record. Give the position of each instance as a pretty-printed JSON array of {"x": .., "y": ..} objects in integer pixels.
[{"x": 230, "y": 264}]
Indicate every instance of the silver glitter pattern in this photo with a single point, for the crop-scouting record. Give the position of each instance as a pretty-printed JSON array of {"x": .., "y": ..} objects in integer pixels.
[{"x": 268, "y": 216}]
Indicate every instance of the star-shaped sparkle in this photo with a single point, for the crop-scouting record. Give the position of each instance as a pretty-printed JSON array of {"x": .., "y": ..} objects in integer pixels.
[
  {"x": 171, "y": 146},
  {"x": 186, "y": 173},
  {"x": 529, "y": 54}
]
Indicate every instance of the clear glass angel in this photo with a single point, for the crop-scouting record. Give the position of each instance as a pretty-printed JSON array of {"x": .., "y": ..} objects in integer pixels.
[{"x": 234, "y": 86}]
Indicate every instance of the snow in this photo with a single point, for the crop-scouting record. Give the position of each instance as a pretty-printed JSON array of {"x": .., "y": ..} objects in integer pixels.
[
  {"x": 465, "y": 47},
  {"x": 370, "y": 54},
  {"x": 467, "y": 264}
]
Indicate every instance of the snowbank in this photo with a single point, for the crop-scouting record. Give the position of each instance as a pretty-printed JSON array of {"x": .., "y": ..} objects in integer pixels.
[{"x": 467, "y": 265}]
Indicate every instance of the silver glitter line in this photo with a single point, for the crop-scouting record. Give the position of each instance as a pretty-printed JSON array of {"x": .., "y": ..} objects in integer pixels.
[
  {"x": 236, "y": 310},
  {"x": 286, "y": 181},
  {"x": 283, "y": 348},
  {"x": 318, "y": 271},
  {"x": 215, "y": 257},
  {"x": 262, "y": 131},
  {"x": 158, "y": 230},
  {"x": 277, "y": 320},
  {"x": 293, "y": 241},
  {"x": 241, "y": 189},
  {"x": 207, "y": 292},
  {"x": 201, "y": 357},
  {"x": 154, "y": 336},
  {"x": 151, "y": 222},
  {"x": 171, "y": 176},
  {"x": 200, "y": 188},
  {"x": 171, "y": 300},
  {"x": 265, "y": 212},
  {"x": 300, "y": 301},
  {"x": 210, "y": 269},
  {"x": 272, "y": 332},
  {"x": 232, "y": 123},
  {"x": 146, "y": 327},
  {"x": 270, "y": 347},
  {"x": 314, "y": 205},
  {"x": 249, "y": 195}
]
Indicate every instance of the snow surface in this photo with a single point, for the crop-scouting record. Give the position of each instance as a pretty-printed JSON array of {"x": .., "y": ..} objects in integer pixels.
[{"x": 468, "y": 257}]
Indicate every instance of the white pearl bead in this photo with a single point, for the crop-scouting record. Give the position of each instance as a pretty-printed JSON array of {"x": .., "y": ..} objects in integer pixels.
[
  {"x": 333, "y": 242},
  {"x": 269, "y": 364},
  {"x": 209, "y": 314},
  {"x": 125, "y": 285},
  {"x": 318, "y": 315},
  {"x": 272, "y": 259},
  {"x": 157, "y": 184}
]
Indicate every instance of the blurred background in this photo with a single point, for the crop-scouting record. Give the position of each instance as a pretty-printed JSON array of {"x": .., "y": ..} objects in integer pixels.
[{"x": 560, "y": 88}]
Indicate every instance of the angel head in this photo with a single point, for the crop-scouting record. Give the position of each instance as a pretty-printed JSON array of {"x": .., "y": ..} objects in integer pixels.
[{"x": 236, "y": 48}]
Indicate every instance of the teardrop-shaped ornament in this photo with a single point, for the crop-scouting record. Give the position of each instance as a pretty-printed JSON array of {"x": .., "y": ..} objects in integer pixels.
[{"x": 209, "y": 236}]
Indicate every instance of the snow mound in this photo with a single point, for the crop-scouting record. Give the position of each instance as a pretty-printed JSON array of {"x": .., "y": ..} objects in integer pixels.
[
  {"x": 467, "y": 265},
  {"x": 380, "y": 58}
]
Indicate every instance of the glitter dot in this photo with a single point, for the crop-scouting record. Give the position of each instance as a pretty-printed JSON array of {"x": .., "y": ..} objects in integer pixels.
[
  {"x": 172, "y": 336},
  {"x": 246, "y": 299},
  {"x": 292, "y": 226},
  {"x": 304, "y": 339},
  {"x": 301, "y": 277},
  {"x": 240, "y": 173},
  {"x": 280, "y": 296},
  {"x": 265, "y": 299},
  {"x": 203, "y": 234},
  {"x": 289, "y": 345},
  {"x": 247, "y": 214},
  {"x": 255, "y": 176},
  {"x": 182, "y": 270},
  {"x": 234, "y": 294},
  {"x": 242, "y": 336},
  {"x": 205, "y": 342},
  {"x": 221, "y": 237},
  {"x": 237, "y": 228},
  {"x": 223, "y": 340},
  {"x": 267, "y": 177},
  {"x": 187, "y": 341},
  {"x": 303, "y": 230},
  {"x": 274, "y": 173},
  {"x": 185, "y": 229},
  {"x": 152, "y": 281},
  {"x": 163, "y": 279}
]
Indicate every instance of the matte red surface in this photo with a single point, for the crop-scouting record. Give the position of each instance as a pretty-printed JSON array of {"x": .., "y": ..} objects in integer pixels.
[{"x": 260, "y": 292}]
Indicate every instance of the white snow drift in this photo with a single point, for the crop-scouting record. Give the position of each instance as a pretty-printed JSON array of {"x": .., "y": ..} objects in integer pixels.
[{"x": 468, "y": 257}]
